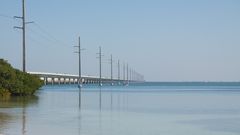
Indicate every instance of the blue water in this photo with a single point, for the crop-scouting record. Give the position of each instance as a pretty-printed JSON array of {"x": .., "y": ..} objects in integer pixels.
[{"x": 138, "y": 109}]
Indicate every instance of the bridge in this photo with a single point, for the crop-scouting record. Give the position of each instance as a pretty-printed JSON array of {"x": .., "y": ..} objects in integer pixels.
[{"x": 59, "y": 78}]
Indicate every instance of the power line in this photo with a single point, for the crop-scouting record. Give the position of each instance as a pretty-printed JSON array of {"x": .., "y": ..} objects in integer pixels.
[
  {"x": 40, "y": 34},
  {"x": 45, "y": 37},
  {"x": 44, "y": 31}
]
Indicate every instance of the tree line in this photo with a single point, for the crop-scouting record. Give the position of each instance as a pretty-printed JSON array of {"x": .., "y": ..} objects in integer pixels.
[{"x": 15, "y": 82}]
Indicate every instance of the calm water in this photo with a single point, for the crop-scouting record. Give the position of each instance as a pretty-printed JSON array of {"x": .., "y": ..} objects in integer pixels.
[{"x": 142, "y": 109}]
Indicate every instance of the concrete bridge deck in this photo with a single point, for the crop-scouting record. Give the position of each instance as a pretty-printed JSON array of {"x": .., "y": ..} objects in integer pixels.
[{"x": 59, "y": 78}]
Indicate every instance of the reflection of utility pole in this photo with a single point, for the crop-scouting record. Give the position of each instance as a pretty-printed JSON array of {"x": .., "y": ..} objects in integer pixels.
[
  {"x": 23, "y": 102},
  {"x": 24, "y": 121},
  {"x": 80, "y": 70}
]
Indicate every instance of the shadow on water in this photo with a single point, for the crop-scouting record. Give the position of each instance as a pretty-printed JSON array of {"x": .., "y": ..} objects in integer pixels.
[
  {"x": 15, "y": 102},
  {"x": 18, "y": 102},
  {"x": 4, "y": 120}
]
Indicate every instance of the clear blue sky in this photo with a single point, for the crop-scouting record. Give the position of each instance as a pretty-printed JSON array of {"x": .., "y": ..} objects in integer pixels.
[{"x": 165, "y": 40}]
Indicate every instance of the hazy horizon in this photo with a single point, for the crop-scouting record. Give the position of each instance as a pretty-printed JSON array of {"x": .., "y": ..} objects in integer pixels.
[{"x": 188, "y": 40}]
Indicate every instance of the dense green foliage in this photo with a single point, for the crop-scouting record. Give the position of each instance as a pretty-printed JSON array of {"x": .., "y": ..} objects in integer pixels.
[{"x": 15, "y": 82}]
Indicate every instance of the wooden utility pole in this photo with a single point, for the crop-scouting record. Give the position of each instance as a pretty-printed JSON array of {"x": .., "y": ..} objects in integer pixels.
[
  {"x": 23, "y": 26},
  {"x": 111, "y": 60},
  {"x": 118, "y": 71},
  {"x": 23, "y": 35}
]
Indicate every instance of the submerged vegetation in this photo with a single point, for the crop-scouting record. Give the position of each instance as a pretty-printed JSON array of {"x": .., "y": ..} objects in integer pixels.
[{"x": 16, "y": 82}]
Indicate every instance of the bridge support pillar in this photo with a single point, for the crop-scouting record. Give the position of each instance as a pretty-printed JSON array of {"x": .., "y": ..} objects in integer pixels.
[
  {"x": 45, "y": 80},
  {"x": 52, "y": 81},
  {"x": 64, "y": 80},
  {"x": 73, "y": 80},
  {"x": 69, "y": 80},
  {"x": 59, "y": 81}
]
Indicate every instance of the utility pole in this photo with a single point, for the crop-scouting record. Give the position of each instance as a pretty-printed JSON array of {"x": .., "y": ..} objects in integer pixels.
[
  {"x": 111, "y": 60},
  {"x": 23, "y": 35},
  {"x": 23, "y": 28},
  {"x": 79, "y": 63},
  {"x": 123, "y": 71},
  {"x": 100, "y": 66},
  {"x": 118, "y": 71},
  {"x": 79, "y": 70},
  {"x": 133, "y": 75},
  {"x": 127, "y": 73},
  {"x": 130, "y": 74}
]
